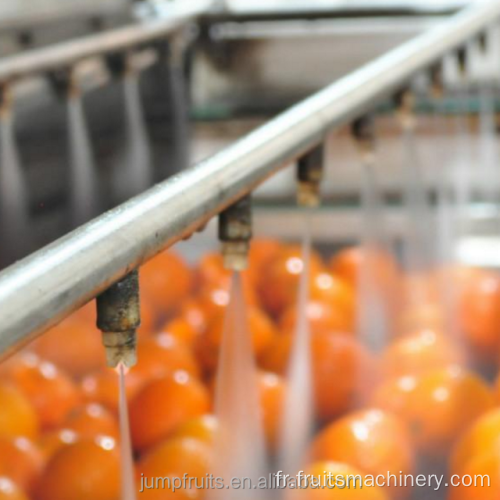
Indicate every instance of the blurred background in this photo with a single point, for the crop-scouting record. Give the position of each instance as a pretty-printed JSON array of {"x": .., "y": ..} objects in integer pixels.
[{"x": 230, "y": 66}]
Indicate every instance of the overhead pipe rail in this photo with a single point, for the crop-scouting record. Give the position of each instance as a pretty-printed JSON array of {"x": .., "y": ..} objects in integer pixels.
[
  {"x": 312, "y": 10},
  {"x": 69, "y": 53},
  {"x": 100, "y": 258}
]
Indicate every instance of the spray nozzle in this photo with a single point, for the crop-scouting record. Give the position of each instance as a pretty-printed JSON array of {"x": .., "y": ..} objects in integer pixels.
[
  {"x": 64, "y": 82},
  {"x": 363, "y": 131},
  {"x": 462, "y": 61},
  {"x": 436, "y": 81},
  {"x": 482, "y": 41},
  {"x": 405, "y": 104},
  {"x": 235, "y": 232},
  {"x": 118, "y": 317},
  {"x": 309, "y": 176},
  {"x": 117, "y": 64}
]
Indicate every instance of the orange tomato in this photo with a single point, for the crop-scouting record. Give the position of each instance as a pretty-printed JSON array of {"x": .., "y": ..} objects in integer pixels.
[
  {"x": 480, "y": 480},
  {"x": 344, "y": 372},
  {"x": 164, "y": 404},
  {"x": 328, "y": 288},
  {"x": 152, "y": 489},
  {"x": 275, "y": 357},
  {"x": 272, "y": 397},
  {"x": 438, "y": 406},
  {"x": 52, "y": 441},
  {"x": 262, "y": 331},
  {"x": 212, "y": 302},
  {"x": 497, "y": 389},
  {"x": 419, "y": 352},
  {"x": 337, "y": 481},
  {"x": 102, "y": 387},
  {"x": 210, "y": 270},
  {"x": 193, "y": 312},
  {"x": 165, "y": 282},
  {"x": 262, "y": 253},
  {"x": 74, "y": 346},
  {"x": 148, "y": 319},
  {"x": 93, "y": 420},
  {"x": 10, "y": 491},
  {"x": 51, "y": 392},
  {"x": 21, "y": 461},
  {"x": 482, "y": 437},
  {"x": 162, "y": 354},
  {"x": 174, "y": 458},
  {"x": 279, "y": 279},
  {"x": 347, "y": 265},
  {"x": 421, "y": 288},
  {"x": 478, "y": 312},
  {"x": 416, "y": 317},
  {"x": 377, "y": 267},
  {"x": 89, "y": 468},
  {"x": 87, "y": 314},
  {"x": 17, "y": 415},
  {"x": 322, "y": 317},
  {"x": 374, "y": 441},
  {"x": 182, "y": 329},
  {"x": 11, "y": 362},
  {"x": 458, "y": 273},
  {"x": 203, "y": 427},
  {"x": 450, "y": 278}
]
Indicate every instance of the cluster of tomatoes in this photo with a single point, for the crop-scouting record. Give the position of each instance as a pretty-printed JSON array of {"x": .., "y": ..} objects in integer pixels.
[{"x": 417, "y": 400}]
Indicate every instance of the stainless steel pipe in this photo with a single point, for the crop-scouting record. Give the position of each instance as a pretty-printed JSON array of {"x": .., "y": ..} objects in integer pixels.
[
  {"x": 42, "y": 289},
  {"x": 66, "y": 54}
]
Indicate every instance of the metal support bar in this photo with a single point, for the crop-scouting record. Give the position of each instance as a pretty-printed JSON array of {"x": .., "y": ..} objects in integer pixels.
[{"x": 42, "y": 289}]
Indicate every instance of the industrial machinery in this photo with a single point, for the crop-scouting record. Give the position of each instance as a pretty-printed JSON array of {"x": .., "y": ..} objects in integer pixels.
[{"x": 116, "y": 186}]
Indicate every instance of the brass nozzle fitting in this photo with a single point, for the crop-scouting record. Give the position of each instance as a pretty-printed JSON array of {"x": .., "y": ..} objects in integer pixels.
[
  {"x": 235, "y": 232},
  {"x": 436, "y": 86},
  {"x": 120, "y": 64},
  {"x": 118, "y": 317},
  {"x": 482, "y": 41},
  {"x": 462, "y": 61},
  {"x": 405, "y": 102},
  {"x": 309, "y": 175},
  {"x": 172, "y": 52},
  {"x": 363, "y": 131},
  {"x": 64, "y": 82}
]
